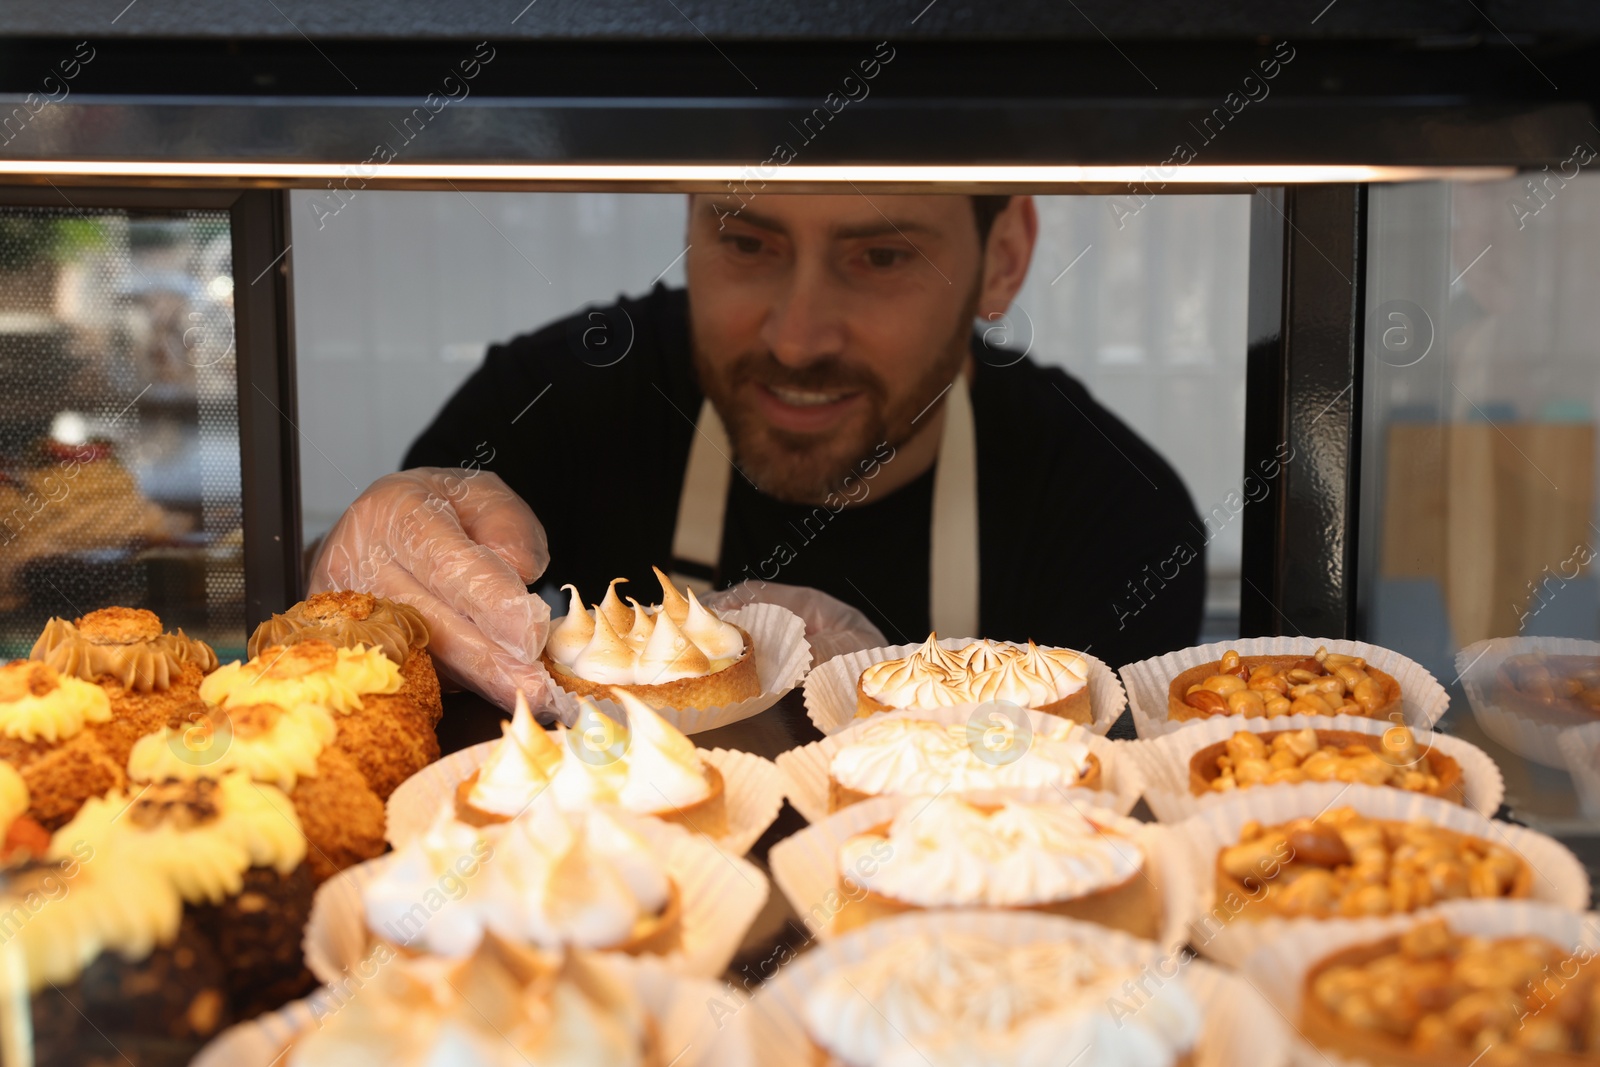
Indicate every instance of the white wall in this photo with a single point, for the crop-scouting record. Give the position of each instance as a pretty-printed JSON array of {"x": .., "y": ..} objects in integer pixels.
[{"x": 397, "y": 294}]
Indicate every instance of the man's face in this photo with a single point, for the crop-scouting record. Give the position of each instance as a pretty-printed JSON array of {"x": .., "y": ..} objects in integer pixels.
[{"x": 824, "y": 326}]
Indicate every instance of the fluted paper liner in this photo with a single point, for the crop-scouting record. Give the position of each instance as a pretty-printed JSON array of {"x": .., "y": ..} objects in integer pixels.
[
  {"x": 1224, "y": 934},
  {"x": 1526, "y": 731},
  {"x": 1236, "y": 1027},
  {"x": 1164, "y": 761},
  {"x": 676, "y": 1004},
  {"x": 805, "y": 866},
  {"x": 806, "y": 768},
  {"x": 1423, "y": 700},
  {"x": 831, "y": 688},
  {"x": 752, "y": 785},
  {"x": 1278, "y": 970},
  {"x": 1580, "y": 747},
  {"x": 782, "y": 658},
  {"x": 721, "y": 895}
]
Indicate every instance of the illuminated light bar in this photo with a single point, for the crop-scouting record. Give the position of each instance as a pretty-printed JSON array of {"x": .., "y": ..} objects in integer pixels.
[{"x": 768, "y": 172}]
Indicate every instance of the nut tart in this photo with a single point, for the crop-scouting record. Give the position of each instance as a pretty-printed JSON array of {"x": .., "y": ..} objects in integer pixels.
[
  {"x": 676, "y": 654},
  {"x": 384, "y": 732},
  {"x": 1344, "y": 864},
  {"x": 1430, "y": 997},
  {"x": 1565, "y": 688},
  {"x": 46, "y": 736},
  {"x": 345, "y": 619},
  {"x": 1326, "y": 683},
  {"x": 956, "y": 999},
  {"x": 1052, "y": 680},
  {"x": 1275, "y": 757},
  {"x": 916, "y": 757},
  {"x": 147, "y": 674},
  {"x": 505, "y": 1005},
  {"x": 342, "y": 817},
  {"x": 649, "y": 768},
  {"x": 948, "y": 853},
  {"x": 548, "y": 878}
]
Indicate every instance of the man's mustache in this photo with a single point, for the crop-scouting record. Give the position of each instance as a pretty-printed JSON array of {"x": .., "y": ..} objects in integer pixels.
[{"x": 828, "y": 375}]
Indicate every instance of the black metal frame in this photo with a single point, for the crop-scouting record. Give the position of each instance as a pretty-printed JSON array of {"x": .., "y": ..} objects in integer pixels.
[{"x": 264, "y": 354}]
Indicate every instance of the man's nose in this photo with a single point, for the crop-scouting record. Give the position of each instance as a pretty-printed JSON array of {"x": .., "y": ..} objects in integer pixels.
[{"x": 806, "y": 321}]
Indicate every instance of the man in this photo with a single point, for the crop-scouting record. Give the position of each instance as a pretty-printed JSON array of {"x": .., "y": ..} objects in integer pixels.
[{"x": 881, "y": 452}]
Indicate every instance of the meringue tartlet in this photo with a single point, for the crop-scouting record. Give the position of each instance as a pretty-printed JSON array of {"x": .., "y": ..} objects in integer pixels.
[
  {"x": 548, "y": 878},
  {"x": 676, "y": 654},
  {"x": 1276, "y": 757},
  {"x": 649, "y": 768},
  {"x": 1052, "y": 680},
  {"x": 948, "y": 853},
  {"x": 955, "y": 999},
  {"x": 917, "y": 757},
  {"x": 1325, "y": 683}
]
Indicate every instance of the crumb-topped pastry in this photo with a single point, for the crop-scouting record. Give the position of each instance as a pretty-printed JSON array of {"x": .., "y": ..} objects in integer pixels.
[
  {"x": 1327, "y": 683},
  {"x": 1566, "y": 686},
  {"x": 958, "y": 1000},
  {"x": 46, "y": 735},
  {"x": 916, "y": 757},
  {"x": 1437, "y": 997},
  {"x": 502, "y": 1006},
  {"x": 1343, "y": 863},
  {"x": 347, "y": 619},
  {"x": 676, "y": 654},
  {"x": 342, "y": 817},
  {"x": 1052, "y": 680},
  {"x": 1275, "y": 757},
  {"x": 649, "y": 768},
  {"x": 386, "y": 734},
  {"x": 234, "y": 851},
  {"x": 146, "y": 673},
  {"x": 548, "y": 877},
  {"x": 948, "y": 853}
]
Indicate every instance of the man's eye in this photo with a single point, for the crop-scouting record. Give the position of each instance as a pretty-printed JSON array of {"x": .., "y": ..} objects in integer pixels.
[
  {"x": 746, "y": 245},
  {"x": 884, "y": 257}
]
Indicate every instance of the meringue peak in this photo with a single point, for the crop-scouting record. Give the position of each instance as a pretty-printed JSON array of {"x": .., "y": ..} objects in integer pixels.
[
  {"x": 607, "y": 657},
  {"x": 616, "y": 613},
  {"x": 669, "y": 656},
  {"x": 672, "y": 601},
  {"x": 717, "y": 639},
  {"x": 574, "y": 631}
]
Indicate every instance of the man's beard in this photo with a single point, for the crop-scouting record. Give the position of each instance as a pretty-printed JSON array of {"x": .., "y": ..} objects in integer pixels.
[{"x": 807, "y": 468}]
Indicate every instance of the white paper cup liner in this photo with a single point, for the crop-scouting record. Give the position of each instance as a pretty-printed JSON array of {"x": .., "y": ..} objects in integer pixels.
[
  {"x": 1558, "y": 877},
  {"x": 782, "y": 658},
  {"x": 805, "y": 866},
  {"x": 1278, "y": 970},
  {"x": 754, "y": 790},
  {"x": 721, "y": 896},
  {"x": 1524, "y": 730},
  {"x": 1423, "y": 700},
  {"x": 675, "y": 1003},
  {"x": 1237, "y": 1026},
  {"x": 1580, "y": 748},
  {"x": 806, "y": 767},
  {"x": 1164, "y": 761},
  {"x": 831, "y": 688}
]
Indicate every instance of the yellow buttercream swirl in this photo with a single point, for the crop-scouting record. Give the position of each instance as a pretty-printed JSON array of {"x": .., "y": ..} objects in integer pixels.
[
  {"x": 312, "y": 672},
  {"x": 65, "y": 915},
  {"x": 145, "y": 664},
  {"x": 346, "y": 619},
  {"x": 275, "y": 746},
  {"x": 39, "y": 705}
]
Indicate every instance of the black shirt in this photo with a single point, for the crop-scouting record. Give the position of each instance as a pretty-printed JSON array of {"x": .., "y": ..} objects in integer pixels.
[{"x": 1087, "y": 538}]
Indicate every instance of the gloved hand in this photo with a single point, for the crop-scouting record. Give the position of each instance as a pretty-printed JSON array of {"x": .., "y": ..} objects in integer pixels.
[
  {"x": 460, "y": 547},
  {"x": 832, "y": 626}
]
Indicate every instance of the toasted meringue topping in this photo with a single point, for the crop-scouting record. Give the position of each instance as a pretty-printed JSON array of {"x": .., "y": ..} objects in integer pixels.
[
  {"x": 346, "y": 619},
  {"x": 311, "y": 672},
  {"x": 934, "y": 676},
  {"x": 650, "y": 768},
  {"x": 124, "y": 644},
  {"x": 957, "y": 1000},
  {"x": 518, "y": 768},
  {"x": 266, "y": 742},
  {"x": 616, "y": 645},
  {"x": 38, "y": 704},
  {"x": 948, "y": 853},
  {"x": 915, "y": 757}
]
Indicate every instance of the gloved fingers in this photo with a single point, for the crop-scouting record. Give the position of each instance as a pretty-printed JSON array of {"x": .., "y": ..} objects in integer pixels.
[
  {"x": 517, "y": 623},
  {"x": 500, "y": 520}
]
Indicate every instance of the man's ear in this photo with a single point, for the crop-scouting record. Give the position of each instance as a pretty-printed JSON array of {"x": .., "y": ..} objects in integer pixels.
[{"x": 1007, "y": 256}]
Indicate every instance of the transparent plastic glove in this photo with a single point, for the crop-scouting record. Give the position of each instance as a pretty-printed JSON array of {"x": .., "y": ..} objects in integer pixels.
[
  {"x": 832, "y": 626},
  {"x": 460, "y": 547}
]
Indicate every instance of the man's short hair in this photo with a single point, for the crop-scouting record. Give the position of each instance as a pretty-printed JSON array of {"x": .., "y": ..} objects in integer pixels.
[{"x": 984, "y": 210}]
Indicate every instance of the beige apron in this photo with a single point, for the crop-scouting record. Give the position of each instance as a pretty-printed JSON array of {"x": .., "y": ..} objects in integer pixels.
[{"x": 953, "y": 555}]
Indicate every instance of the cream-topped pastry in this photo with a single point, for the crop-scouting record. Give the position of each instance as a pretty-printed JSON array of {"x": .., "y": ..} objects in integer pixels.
[
  {"x": 503, "y": 1006},
  {"x": 518, "y": 768},
  {"x": 1052, "y": 680},
  {"x": 673, "y": 654},
  {"x": 311, "y": 672},
  {"x": 267, "y": 743},
  {"x": 959, "y": 1000},
  {"x": 916, "y": 757},
  {"x": 547, "y": 877},
  {"x": 49, "y": 725},
  {"x": 39, "y": 704}
]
